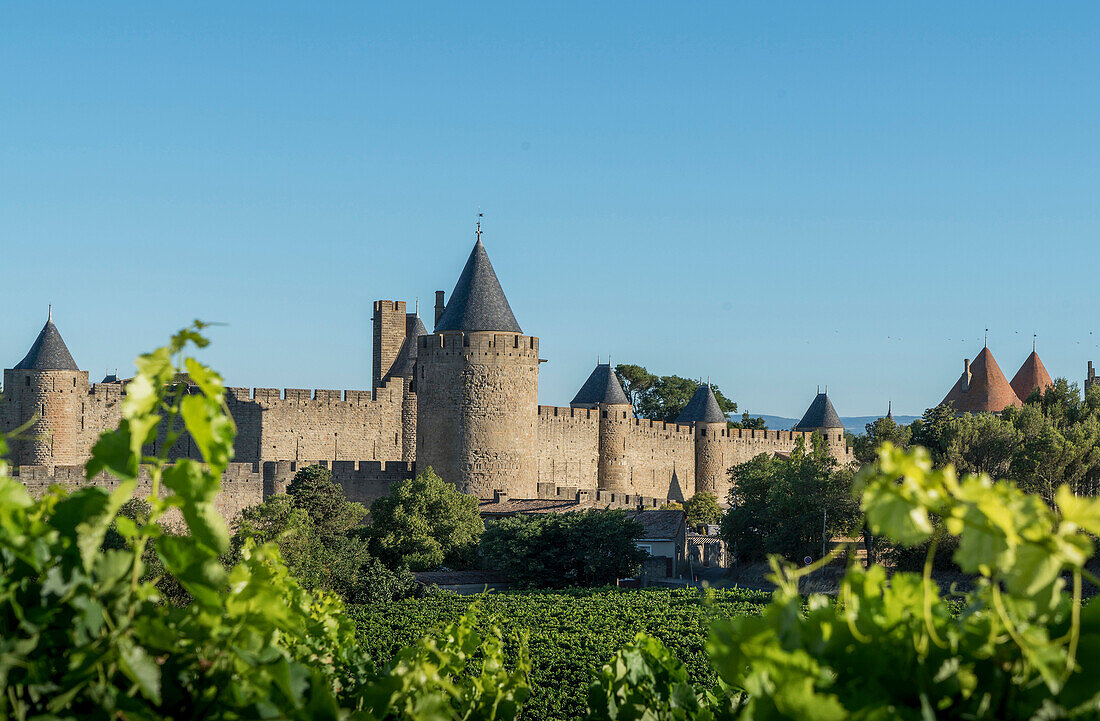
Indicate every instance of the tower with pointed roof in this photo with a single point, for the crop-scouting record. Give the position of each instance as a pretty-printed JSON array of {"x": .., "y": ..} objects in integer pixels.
[
  {"x": 603, "y": 393},
  {"x": 46, "y": 387},
  {"x": 477, "y": 389},
  {"x": 709, "y": 423},
  {"x": 821, "y": 417}
]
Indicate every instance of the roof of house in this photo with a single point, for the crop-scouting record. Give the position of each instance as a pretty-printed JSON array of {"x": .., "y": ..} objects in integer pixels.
[
  {"x": 659, "y": 525},
  {"x": 1031, "y": 377},
  {"x": 512, "y": 506},
  {"x": 406, "y": 357},
  {"x": 477, "y": 301},
  {"x": 702, "y": 408},
  {"x": 49, "y": 352},
  {"x": 602, "y": 386},
  {"x": 820, "y": 414}
]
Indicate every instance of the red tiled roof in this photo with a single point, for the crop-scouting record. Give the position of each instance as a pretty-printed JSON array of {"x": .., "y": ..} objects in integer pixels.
[
  {"x": 989, "y": 390},
  {"x": 1032, "y": 376}
]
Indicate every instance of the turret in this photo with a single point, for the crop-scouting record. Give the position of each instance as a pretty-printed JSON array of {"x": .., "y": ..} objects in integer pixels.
[
  {"x": 822, "y": 418},
  {"x": 477, "y": 390},
  {"x": 404, "y": 368},
  {"x": 709, "y": 423},
  {"x": 603, "y": 392},
  {"x": 46, "y": 387},
  {"x": 1031, "y": 377},
  {"x": 983, "y": 388}
]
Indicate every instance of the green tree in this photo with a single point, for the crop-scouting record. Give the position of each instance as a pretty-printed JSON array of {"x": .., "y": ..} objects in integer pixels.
[
  {"x": 313, "y": 490},
  {"x": 865, "y": 446},
  {"x": 778, "y": 505},
  {"x": 424, "y": 523},
  {"x": 702, "y": 508},
  {"x": 663, "y": 398},
  {"x": 749, "y": 423},
  {"x": 584, "y": 548},
  {"x": 671, "y": 506}
]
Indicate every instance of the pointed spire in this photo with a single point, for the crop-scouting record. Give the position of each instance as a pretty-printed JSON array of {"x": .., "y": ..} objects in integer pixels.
[
  {"x": 477, "y": 301},
  {"x": 1031, "y": 377},
  {"x": 602, "y": 386},
  {"x": 49, "y": 351},
  {"x": 404, "y": 364},
  {"x": 890, "y": 410},
  {"x": 820, "y": 415},
  {"x": 702, "y": 408}
]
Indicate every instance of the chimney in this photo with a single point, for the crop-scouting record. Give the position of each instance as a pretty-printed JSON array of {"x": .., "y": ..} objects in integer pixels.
[
  {"x": 499, "y": 496},
  {"x": 1092, "y": 373},
  {"x": 439, "y": 305},
  {"x": 966, "y": 365}
]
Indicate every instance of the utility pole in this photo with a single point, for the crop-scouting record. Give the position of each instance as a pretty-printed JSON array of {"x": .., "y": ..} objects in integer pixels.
[{"x": 824, "y": 516}]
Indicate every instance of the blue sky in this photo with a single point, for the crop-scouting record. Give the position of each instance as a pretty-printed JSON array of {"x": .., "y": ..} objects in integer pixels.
[{"x": 773, "y": 195}]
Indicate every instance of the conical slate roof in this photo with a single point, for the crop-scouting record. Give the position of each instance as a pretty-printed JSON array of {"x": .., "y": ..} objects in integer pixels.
[
  {"x": 602, "y": 386},
  {"x": 989, "y": 390},
  {"x": 702, "y": 408},
  {"x": 49, "y": 352},
  {"x": 820, "y": 414},
  {"x": 1032, "y": 376},
  {"x": 477, "y": 301},
  {"x": 406, "y": 357}
]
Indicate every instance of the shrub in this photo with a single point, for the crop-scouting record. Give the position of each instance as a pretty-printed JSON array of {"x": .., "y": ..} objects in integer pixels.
[{"x": 425, "y": 522}]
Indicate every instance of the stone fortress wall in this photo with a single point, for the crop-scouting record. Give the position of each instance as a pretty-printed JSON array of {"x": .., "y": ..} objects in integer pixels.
[{"x": 465, "y": 403}]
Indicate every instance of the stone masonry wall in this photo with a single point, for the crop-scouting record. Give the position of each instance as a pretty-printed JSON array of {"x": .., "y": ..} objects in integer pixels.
[
  {"x": 568, "y": 441},
  {"x": 242, "y": 486},
  {"x": 361, "y": 481},
  {"x": 661, "y": 459}
]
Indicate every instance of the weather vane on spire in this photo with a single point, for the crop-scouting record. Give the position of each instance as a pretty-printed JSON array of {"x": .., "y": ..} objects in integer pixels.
[
  {"x": 986, "y": 337},
  {"x": 480, "y": 215}
]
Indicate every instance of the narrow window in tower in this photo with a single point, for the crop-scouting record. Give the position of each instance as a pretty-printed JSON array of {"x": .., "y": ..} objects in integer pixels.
[
  {"x": 604, "y": 414},
  {"x": 26, "y": 380}
]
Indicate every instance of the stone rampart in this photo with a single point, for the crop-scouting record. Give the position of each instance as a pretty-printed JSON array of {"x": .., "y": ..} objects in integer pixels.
[{"x": 361, "y": 481}]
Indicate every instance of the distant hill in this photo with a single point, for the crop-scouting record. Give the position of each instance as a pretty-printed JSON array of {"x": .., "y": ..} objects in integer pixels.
[{"x": 855, "y": 424}]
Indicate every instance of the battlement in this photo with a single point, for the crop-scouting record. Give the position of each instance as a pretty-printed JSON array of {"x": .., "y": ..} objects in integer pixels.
[
  {"x": 652, "y": 425},
  {"x": 599, "y": 498},
  {"x": 485, "y": 342},
  {"x": 560, "y": 412},
  {"x": 361, "y": 481},
  {"x": 305, "y": 395},
  {"x": 107, "y": 391}
]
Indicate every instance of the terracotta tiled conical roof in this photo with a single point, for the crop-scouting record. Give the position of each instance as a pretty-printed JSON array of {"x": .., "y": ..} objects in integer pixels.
[
  {"x": 1032, "y": 376},
  {"x": 602, "y": 386},
  {"x": 820, "y": 414},
  {"x": 702, "y": 408},
  {"x": 478, "y": 301},
  {"x": 956, "y": 397},
  {"x": 989, "y": 390},
  {"x": 49, "y": 352}
]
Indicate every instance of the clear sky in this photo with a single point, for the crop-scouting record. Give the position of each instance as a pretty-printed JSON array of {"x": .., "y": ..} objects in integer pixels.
[{"x": 773, "y": 195}]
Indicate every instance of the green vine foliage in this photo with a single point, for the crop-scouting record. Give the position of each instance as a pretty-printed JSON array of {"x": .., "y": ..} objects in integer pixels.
[
  {"x": 85, "y": 633},
  {"x": 1020, "y": 645}
]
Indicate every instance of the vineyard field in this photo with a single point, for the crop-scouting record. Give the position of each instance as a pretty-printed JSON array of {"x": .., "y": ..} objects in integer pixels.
[{"x": 572, "y": 634}]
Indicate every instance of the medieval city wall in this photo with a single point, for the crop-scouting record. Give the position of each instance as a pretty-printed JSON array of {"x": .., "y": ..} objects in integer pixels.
[
  {"x": 568, "y": 444},
  {"x": 661, "y": 459},
  {"x": 297, "y": 423},
  {"x": 242, "y": 486}
]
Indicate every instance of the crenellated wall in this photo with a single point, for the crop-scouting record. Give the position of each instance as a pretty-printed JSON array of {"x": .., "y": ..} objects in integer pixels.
[
  {"x": 661, "y": 459},
  {"x": 568, "y": 444},
  {"x": 297, "y": 423},
  {"x": 242, "y": 486}
]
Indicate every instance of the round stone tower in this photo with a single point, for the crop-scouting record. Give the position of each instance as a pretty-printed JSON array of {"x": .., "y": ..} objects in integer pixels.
[
  {"x": 711, "y": 435},
  {"x": 604, "y": 393},
  {"x": 477, "y": 390},
  {"x": 46, "y": 387}
]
